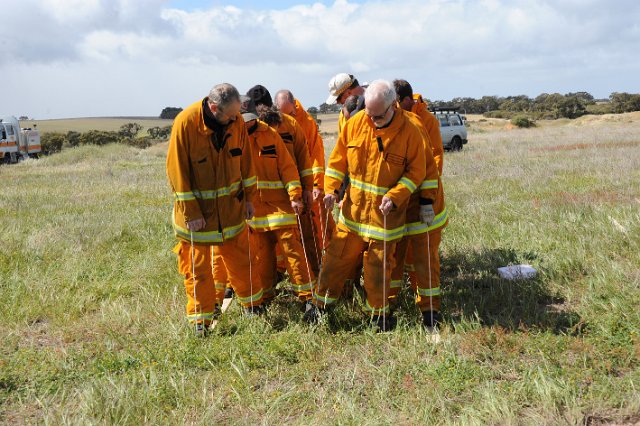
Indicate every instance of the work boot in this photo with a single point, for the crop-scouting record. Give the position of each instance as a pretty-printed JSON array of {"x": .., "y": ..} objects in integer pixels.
[
  {"x": 255, "y": 310},
  {"x": 200, "y": 330},
  {"x": 431, "y": 320},
  {"x": 384, "y": 323},
  {"x": 228, "y": 293},
  {"x": 313, "y": 315},
  {"x": 217, "y": 312},
  {"x": 306, "y": 306}
]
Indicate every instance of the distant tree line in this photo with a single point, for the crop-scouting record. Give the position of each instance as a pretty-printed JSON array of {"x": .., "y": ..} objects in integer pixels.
[
  {"x": 544, "y": 106},
  {"x": 52, "y": 142}
]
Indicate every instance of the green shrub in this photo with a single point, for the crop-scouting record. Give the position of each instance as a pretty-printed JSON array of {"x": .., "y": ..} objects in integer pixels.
[
  {"x": 522, "y": 121},
  {"x": 141, "y": 142},
  {"x": 73, "y": 138},
  {"x": 499, "y": 114},
  {"x": 99, "y": 137},
  {"x": 51, "y": 142}
]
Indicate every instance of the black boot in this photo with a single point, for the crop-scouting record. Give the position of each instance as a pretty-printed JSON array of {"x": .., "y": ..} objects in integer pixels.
[
  {"x": 217, "y": 312},
  {"x": 255, "y": 310},
  {"x": 313, "y": 315},
  {"x": 200, "y": 330},
  {"x": 431, "y": 320},
  {"x": 384, "y": 322},
  {"x": 228, "y": 293},
  {"x": 306, "y": 306}
]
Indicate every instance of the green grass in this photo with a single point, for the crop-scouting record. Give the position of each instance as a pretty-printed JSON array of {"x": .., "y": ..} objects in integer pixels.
[{"x": 92, "y": 307}]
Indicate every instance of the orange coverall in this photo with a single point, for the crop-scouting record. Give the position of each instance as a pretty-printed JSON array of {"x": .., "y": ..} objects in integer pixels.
[
  {"x": 323, "y": 223},
  {"x": 421, "y": 241},
  {"x": 212, "y": 185},
  {"x": 381, "y": 162},
  {"x": 275, "y": 221},
  {"x": 293, "y": 137},
  {"x": 432, "y": 125}
]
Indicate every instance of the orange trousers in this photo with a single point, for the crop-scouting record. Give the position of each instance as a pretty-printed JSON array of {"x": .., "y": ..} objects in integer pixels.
[
  {"x": 345, "y": 248},
  {"x": 199, "y": 286},
  {"x": 263, "y": 251},
  {"x": 418, "y": 254},
  {"x": 317, "y": 229},
  {"x": 220, "y": 276}
]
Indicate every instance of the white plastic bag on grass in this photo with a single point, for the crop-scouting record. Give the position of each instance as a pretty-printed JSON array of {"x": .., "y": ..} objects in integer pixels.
[{"x": 517, "y": 272}]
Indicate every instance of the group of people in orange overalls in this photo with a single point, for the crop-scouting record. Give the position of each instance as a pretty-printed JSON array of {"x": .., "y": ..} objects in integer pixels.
[{"x": 252, "y": 198}]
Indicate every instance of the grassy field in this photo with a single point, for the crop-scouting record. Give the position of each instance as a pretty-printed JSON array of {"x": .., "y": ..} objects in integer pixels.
[
  {"x": 98, "y": 123},
  {"x": 92, "y": 307}
]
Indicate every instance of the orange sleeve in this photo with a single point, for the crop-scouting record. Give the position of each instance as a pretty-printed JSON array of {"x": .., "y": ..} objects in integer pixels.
[
  {"x": 249, "y": 178},
  {"x": 316, "y": 151},
  {"x": 179, "y": 172},
  {"x": 337, "y": 165},
  {"x": 302, "y": 157},
  {"x": 433, "y": 128},
  {"x": 287, "y": 169}
]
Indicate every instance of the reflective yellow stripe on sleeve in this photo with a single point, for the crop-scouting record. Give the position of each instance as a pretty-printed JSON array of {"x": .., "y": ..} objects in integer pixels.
[
  {"x": 429, "y": 184},
  {"x": 334, "y": 173},
  {"x": 408, "y": 183}
]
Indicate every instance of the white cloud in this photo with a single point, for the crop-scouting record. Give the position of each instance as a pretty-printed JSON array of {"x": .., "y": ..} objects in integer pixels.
[{"x": 450, "y": 47}]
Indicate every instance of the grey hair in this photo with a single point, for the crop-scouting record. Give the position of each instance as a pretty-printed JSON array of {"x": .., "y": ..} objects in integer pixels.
[
  {"x": 287, "y": 94},
  {"x": 223, "y": 95},
  {"x": 380, "y": 89}
]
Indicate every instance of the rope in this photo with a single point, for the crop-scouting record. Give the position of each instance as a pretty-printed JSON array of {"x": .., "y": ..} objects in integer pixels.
[
  {"x": 193, "y": 276},
  {"x": 429, "y": 267},
  {"x": 384, "y": 271},
  {"x": 324, "y": 243},
  {"x": 315, "y": 241},
  {"x": 304, "y": 249},
  {"x": 250, "y": 270}
]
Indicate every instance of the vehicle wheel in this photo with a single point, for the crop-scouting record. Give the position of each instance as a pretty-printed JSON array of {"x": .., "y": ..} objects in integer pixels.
[{"x": 456, "y": 143}]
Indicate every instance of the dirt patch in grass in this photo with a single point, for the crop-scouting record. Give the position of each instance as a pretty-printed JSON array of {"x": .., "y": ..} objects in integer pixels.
[{"x": 611, "y": 420}]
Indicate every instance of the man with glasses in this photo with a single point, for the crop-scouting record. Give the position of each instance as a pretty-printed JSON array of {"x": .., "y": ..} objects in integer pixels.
[
  {"x": 212, "y": 177},
  {"x": 383, "y": 152}
]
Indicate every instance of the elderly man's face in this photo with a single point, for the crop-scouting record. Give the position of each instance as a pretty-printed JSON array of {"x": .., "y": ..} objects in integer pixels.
[
  {"x": 379, "y": 113},
  {"x": 227, "y": 114},
  {"x": 284, "y": 105}
]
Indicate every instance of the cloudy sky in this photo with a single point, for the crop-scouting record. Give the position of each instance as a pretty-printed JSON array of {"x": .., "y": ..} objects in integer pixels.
[{"x": 84, "y": 58}]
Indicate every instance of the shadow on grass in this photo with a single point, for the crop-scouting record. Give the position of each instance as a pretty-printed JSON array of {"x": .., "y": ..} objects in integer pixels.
[{"x": 473, "y": 289}]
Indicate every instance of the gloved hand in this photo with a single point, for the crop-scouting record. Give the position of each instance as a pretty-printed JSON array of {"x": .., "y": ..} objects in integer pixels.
[
  {"x": 317, "y": 194},
  {"x": 297, "y": 206},
  {"x": 329, "y": 201},
  {"x": 427, "y": 215},
  {"x": 386, "y": 205},
  {"x": 196, "y": 224}
]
